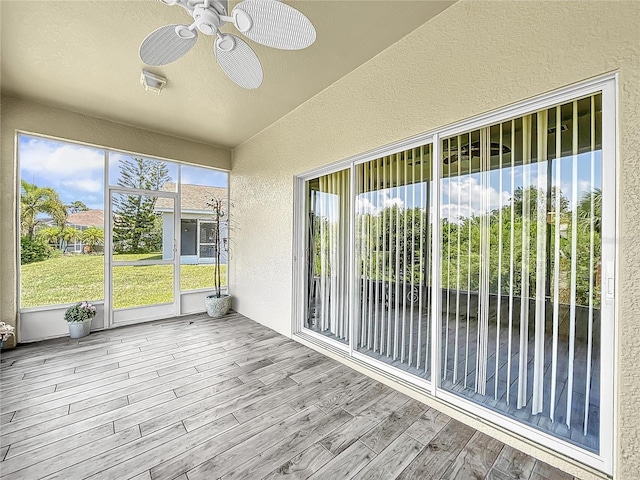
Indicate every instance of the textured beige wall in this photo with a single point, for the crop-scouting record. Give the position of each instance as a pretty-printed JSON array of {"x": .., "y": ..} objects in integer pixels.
[
  {"x": 472, "y": 58},
  {"x": 37, "y": 118}
]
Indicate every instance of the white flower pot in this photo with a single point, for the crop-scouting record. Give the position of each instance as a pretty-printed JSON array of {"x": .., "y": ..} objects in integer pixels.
[
  {"x": 80, "y": 329},
  {"x": 217, "y": 307}
]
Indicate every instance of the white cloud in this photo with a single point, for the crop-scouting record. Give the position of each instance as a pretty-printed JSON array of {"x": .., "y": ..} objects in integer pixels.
[
  {"x": 374, "y": 202},
  {"x": 84, "y": 185},
  {"x": 44, "y": 158},
  {"x": 389, "y": 201},
  {"x": 456, "y": 213},
  {"x": 583, "y": 187},
  {"x": 364, "y": 206},
  {"x": 463, "y": 198},
  {"x": 75, "y": 172}
]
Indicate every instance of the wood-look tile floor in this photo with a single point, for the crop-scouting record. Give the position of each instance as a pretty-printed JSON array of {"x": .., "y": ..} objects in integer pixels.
[{"x": 196, "y": 398}]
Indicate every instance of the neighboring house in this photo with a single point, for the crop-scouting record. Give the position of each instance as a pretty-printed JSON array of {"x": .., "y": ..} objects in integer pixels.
[
  {"x": 195, "y": 224},
  {"x": 82, "y": 221},
  {"x": 88, "y": 218}
]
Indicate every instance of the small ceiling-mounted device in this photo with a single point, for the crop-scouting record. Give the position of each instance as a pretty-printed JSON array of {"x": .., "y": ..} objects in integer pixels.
[
  {"x": 152, "y": 83},
  {"x": 270, "y": 23}
]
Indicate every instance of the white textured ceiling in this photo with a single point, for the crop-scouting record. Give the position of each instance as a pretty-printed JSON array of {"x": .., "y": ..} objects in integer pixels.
[{"x": 83, "y": 56}]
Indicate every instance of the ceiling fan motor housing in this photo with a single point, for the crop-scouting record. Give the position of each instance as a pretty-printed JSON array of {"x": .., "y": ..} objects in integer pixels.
[{"x": 207, "y": 20}]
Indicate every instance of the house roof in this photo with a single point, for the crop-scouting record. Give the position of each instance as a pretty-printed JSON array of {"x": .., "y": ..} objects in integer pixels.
[
  {"x": 194, "y": 197},
  {"x": 89, "y": 218}
]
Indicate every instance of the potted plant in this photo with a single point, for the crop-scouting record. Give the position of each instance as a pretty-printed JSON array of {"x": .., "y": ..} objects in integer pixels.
[
  {"x": 218, "y": 304},
  {"x": 6, "y": 332},
  {"x": 79, "y": 318}
]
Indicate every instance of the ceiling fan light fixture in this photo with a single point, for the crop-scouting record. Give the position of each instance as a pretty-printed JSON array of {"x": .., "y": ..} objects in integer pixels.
[
  {"x": 152, "y": 83},
  {"x": 242, "y": 20},
  {"x": 207, "y": 28},
  {"x": 226, "y": 43},
  {"x": 183, "y": 32},
  {"x": 206, "y": 20}
]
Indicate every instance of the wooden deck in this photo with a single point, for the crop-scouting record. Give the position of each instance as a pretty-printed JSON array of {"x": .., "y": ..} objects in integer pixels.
[{"x": 196, "y": 398}]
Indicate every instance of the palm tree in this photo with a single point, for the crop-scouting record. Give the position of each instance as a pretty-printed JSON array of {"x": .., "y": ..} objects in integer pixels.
[
  {"x": 584, "y": 210},
  {"x": 49, "y": 235},
  {"x": 59, "y": 214},
  {"x": 93, "y": 236},
  {"x": 35, "y": 200},
  {"x": 68, "y": 234}
]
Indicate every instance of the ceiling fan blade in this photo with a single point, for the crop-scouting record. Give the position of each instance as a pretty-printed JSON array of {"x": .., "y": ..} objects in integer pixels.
[
  {"x": 238, "y": 61},
  {"x": 274, "y": 24},
  {"x": 164, "y": 46}
]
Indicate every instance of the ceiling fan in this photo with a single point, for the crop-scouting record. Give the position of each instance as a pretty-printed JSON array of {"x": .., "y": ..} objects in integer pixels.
[
  {"x": 468, "y": 152},
  {"x": 268, "y": 22}
]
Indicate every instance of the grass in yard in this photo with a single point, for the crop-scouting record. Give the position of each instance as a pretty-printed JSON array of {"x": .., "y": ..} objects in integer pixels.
[
  {"x": 73, "y": 278},
  {"x": 128, "y": 257}
]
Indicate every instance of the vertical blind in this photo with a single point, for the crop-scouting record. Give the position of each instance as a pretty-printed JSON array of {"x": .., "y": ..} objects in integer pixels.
[
  {"x": 328, "y": 247},
  {"x": 521, "y": 209},
  {"x": 392, "y": 254}
]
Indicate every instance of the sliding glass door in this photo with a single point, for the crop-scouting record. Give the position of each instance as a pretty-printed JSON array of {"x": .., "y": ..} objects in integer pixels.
[
  {"x": 327, "y": 292},
  {"x": 521, "y": 256},
  {"x": 478, "y": 265},
  {"x": 392, "y": 252}
]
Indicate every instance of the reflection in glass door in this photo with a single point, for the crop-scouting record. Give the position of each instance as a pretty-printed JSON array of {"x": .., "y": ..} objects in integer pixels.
[
  {"x": 328, "y": 214},
  {"x": 521, "y": 256},
  {"x": 392, "y": 251},
  {"x": 142, "y": 255}
]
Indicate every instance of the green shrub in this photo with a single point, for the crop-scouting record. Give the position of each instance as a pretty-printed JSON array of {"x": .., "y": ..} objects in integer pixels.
[
  {"x": 33, "y": 251},
  {"x": 80, "y": 312}
]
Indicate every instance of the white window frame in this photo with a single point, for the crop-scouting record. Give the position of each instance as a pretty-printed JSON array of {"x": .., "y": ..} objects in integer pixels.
[
  {"x": 608, "y": 86},
  {"x": 180, "y": 296},
  {"x": 200, "y": 242}
]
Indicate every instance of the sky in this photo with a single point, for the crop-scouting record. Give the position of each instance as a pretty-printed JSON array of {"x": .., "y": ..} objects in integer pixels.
[
  {"x": 465, "y": 196},
  {"x": 76, "y": 172}
]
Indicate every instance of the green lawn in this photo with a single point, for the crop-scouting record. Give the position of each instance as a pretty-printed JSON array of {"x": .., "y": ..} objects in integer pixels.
[{"x": 73, "y": 278}]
